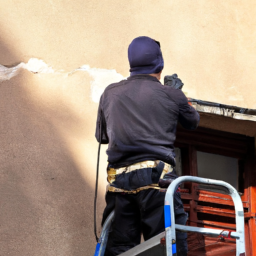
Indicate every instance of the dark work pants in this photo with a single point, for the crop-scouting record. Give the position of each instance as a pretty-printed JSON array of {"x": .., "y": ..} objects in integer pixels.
[{"x": 140, "y": 213}]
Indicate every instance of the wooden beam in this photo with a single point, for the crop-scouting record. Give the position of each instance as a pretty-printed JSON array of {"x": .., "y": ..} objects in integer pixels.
[{"x": 211, "y": 141}]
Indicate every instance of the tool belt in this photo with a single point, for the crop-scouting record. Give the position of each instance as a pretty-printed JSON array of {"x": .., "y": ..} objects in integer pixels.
[{"x": 137, "y": 177}]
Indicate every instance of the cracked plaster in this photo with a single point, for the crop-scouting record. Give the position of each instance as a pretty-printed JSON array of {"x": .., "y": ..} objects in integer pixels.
[{"x": 101, "y": 77}]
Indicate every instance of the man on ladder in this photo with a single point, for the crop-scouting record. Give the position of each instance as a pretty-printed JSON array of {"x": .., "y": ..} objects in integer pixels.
[{"x": 137, "y": 117}]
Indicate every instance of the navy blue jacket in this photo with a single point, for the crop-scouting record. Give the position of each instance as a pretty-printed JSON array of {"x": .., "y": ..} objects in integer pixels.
[{"x": 138, "y": 118}]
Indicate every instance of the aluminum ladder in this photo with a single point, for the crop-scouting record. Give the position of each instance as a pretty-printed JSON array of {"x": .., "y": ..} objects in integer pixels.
[{"x": 152, "y": 246}]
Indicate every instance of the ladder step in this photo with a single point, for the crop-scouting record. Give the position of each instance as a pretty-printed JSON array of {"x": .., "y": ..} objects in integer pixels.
[{"x": 150, "y": 247}]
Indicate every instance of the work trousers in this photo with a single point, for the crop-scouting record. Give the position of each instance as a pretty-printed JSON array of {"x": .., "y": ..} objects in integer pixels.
[{"x": 141, "y": 213}]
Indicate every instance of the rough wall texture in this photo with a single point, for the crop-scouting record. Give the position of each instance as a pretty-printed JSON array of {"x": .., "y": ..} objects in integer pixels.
[{"x": 47, "y": 120}]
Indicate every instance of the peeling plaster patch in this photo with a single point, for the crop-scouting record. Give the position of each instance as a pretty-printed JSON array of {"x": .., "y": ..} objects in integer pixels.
[
  {"x": 214, "y": 110},
  {"x": 34, "y": 65},
  {"x": 223, "y": 112},
  {"x": 101, "y": 79},
  {"x": 38, "y": 66},
  {"x": 8, "y": 73}
]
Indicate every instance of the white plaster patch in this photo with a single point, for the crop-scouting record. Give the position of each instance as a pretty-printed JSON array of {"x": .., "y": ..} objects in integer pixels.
[
  {"x": 38, "y": 66},
  {"x": 101, "y": 79},
  {"x": 7, "y": 73},
  {"x": 34, "y": 65}
]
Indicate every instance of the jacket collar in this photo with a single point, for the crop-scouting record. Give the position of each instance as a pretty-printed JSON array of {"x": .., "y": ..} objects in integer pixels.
[{"x": 143, "y": 76}]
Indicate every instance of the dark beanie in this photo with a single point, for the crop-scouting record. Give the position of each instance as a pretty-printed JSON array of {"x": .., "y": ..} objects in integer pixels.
[{"x": 145, "y": 56}]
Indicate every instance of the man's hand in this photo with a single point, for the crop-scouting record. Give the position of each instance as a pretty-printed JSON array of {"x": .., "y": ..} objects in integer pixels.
[{"x": 173, "y": 81}]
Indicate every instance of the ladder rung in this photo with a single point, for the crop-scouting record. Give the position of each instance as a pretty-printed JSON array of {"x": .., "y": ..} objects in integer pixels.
[{"x": 207, "y": 231}]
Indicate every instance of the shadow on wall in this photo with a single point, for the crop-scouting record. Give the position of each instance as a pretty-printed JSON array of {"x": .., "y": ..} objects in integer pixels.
[{"x": 45, "y": 203}]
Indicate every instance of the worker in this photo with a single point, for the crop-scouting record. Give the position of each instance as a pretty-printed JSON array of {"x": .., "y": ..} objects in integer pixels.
[{"x": 137, "y": 118}]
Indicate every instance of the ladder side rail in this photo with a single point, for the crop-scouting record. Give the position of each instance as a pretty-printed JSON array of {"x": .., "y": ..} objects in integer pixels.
[
  {"x": 239, "y": 211},
  {"x": 104, "y": 235}
]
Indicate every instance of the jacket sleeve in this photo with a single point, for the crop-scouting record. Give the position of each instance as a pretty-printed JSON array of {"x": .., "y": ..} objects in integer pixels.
[
  {"x": 101, "y": 126},
  {"x": 188, "y": 116}
]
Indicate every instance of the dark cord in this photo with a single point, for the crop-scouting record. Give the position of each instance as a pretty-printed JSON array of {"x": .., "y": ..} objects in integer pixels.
[{"x": 96, "y": 188}]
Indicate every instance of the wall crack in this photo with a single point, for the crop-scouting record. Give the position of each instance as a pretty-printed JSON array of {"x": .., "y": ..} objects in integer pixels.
[{"x": 101, "y": 78}]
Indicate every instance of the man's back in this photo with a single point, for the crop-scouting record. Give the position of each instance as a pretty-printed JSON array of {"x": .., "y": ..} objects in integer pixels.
[{"x": 141, "y": 116}]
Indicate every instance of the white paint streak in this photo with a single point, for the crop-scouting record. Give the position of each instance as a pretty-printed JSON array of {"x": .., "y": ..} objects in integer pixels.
[{"x": 101, "y": 77}]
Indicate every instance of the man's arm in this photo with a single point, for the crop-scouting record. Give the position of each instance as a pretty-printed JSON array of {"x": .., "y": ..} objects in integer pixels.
[
  {"x": 101, "y": 127},
  {"x": 188, "y": 116}
]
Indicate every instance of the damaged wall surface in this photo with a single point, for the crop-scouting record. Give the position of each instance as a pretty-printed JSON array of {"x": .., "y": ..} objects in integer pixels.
[
  {"x": 210, "y": 45},
  {"x": 56, "y": 58}
]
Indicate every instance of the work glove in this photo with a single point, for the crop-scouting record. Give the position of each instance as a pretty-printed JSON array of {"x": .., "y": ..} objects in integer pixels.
[{"x": 173, "y": 81}]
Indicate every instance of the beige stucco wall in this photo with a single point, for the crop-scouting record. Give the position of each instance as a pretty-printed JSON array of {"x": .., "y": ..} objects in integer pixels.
[{"x": 48, "y": 109}]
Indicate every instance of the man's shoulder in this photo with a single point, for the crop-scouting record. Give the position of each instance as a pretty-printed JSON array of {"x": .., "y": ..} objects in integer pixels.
[
  {"x": 176, "y": 94},
  {"x": 115, "y": 85}
]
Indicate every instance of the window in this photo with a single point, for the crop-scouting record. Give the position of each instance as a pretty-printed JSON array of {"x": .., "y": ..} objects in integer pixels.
[
  {"x": 223, "y": 156},
  {"x": 218, "y": 167}
]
